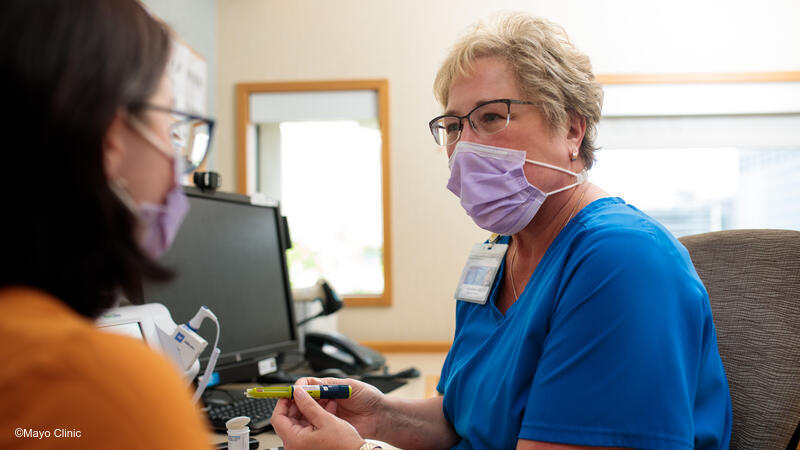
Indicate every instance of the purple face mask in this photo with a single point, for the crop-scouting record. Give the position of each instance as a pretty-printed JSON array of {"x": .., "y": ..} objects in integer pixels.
[
  {"x": 493, "y": 188},
  {"x": 161, "y": 222}
]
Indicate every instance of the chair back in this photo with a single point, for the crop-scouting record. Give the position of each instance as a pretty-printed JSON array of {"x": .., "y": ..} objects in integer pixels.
[{"x": 753, "y": 282}]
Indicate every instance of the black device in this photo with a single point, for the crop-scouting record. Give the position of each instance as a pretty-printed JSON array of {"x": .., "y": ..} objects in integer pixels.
[
  {"x": 207, "y": 181},
  {"x": 334, "y": 350},
  {"x": 259, "y": 410},
  {"x": 229, "y": 255},
  {"x": 323, "y": 293}
]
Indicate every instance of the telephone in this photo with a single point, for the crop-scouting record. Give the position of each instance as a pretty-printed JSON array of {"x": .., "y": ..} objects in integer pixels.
[{"x": 335, "y": 350}]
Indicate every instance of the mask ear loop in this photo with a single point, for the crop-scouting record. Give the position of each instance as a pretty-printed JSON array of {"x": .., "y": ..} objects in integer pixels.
[
  {"x": 117, "y": 186},
  {"x": 148, "y": 136},
  {"x": 580, "y": 177},
  {"x": 178, "y": 163}
]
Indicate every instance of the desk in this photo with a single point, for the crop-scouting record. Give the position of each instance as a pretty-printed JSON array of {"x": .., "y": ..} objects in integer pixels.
[{"x": 428, "y": 364}]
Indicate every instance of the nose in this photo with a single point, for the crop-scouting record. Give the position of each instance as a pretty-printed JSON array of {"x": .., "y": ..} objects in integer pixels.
[
  {"x": 467, "y": 134},
  {"x": 450, "y": 149}
]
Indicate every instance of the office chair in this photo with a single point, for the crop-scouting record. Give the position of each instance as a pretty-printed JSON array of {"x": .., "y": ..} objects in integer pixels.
[{"x": 753, "y": 283}]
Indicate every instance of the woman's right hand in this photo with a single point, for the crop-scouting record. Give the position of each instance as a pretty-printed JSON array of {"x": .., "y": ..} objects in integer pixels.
[
  {"x": 401, "y": 422},
  {"x": 363, "y": 409}
]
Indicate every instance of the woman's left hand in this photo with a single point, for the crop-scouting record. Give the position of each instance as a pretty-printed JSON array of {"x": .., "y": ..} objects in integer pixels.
[{"x": 304, "y": 424}]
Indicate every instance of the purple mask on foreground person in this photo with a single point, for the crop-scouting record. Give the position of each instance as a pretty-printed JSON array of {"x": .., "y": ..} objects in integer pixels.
[
  {"x": 493, "y": 188},
  {"x": 159, "y": 222},
  {"x": 162, "y": 222}
]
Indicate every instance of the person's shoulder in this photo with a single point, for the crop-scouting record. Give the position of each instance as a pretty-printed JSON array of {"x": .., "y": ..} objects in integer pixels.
[
  {"x": 614, "y": 215},
  {"x": 610, "y": 223},
  {"x": 144, "y": 390},
  {"x": 49, "y": 337},
  {"x": 114, "y": 389},
  {"x": 615, "y": 234},
  {"x": 128, "y": 354},
  {"x": 124, "y": 360},
  {"x": 150, "y": 391},
  {"x": 633, "y": 257}
]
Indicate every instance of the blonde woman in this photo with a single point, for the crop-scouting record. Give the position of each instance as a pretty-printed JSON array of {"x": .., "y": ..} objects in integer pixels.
[{"x": 595, "y": 330}]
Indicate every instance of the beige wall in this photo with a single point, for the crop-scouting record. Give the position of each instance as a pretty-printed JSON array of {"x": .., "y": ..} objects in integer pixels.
[{"x": 404, "y": 41}]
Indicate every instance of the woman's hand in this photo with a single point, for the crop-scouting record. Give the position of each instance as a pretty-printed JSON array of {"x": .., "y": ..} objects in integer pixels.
[
  {"x": 302, "y": 423},
  {"x": 363, "y": 409},
  {"x": 400, "y": 422}
]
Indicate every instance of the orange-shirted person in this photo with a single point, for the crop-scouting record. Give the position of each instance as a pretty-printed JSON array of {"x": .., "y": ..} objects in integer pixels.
[{"x": 91, "y": 155}]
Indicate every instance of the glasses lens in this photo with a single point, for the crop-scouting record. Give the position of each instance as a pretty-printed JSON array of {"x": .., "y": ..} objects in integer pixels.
[
  {"x": 446, "y": 130},
  {"x": 197, "y": 147},
  {"x": 490, "y": 118},
  {"x": 190, "y": 138}
]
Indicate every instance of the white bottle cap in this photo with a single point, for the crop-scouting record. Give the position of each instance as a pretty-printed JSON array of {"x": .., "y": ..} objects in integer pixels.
[
  {"x": 238, "y": 433},
  {"x": 237, "y": 423}
]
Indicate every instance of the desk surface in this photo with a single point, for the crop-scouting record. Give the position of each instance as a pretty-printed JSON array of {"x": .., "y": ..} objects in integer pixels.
[{"x": 428, "y": 364}]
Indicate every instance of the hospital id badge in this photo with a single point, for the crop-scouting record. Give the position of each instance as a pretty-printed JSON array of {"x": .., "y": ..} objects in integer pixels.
[{"x": 478, "y": 275}]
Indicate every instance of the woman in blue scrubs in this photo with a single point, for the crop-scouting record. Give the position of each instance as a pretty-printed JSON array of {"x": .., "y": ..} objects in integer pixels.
[{"x": 581, "y": 322}]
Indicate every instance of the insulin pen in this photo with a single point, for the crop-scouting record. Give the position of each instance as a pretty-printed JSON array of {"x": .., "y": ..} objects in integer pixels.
[{"x": 315, "y": 391}]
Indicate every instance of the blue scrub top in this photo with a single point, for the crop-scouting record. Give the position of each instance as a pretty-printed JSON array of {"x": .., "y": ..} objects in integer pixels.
[{"x": 610, "y": 344}]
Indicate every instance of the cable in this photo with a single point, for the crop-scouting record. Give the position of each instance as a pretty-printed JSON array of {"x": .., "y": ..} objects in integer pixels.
[
  {"x": 308, "y": 319},
  {"x": 319, "y": 314},
  {"x": 212, "y": 362}
]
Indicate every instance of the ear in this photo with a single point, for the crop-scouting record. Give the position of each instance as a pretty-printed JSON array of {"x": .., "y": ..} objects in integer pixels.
[
  {"x": 576, "y": 129},
  {"x": 114, "y": 148}
]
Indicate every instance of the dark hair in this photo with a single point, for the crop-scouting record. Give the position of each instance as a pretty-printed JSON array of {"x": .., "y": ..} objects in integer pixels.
[{"x": 67, "y": 68}]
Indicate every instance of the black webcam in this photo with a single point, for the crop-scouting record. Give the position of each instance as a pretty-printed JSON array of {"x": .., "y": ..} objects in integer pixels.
[{"x": 207, "y": 181}]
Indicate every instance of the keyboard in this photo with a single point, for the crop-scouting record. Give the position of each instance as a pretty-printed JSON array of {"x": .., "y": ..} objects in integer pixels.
[{"x": 259, "y": 410}]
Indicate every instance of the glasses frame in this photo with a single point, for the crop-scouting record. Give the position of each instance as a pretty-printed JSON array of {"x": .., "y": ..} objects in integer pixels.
[
  {"x": 508, "y": 103},
  {"x": 185, "y": 118}
]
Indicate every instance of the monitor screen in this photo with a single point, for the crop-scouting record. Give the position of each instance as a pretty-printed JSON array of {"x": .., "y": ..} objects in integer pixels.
[{"x": 229, "y": 256}]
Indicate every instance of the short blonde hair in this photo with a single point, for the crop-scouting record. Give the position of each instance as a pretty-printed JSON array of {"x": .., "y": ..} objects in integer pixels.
[{"x": 549, "y": 70}]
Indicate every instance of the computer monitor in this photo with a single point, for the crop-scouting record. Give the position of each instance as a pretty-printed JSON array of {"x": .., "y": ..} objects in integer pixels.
[{"x": 230, "y": 256}]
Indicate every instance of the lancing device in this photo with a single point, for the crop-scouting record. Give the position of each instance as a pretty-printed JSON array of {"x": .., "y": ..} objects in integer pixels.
[{"x": 324, "y": 391}]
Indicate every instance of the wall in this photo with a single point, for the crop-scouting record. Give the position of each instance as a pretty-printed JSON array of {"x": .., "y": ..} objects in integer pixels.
[
  {"x": 195, "y": 21},
  {"x": 405, "y": 41}
]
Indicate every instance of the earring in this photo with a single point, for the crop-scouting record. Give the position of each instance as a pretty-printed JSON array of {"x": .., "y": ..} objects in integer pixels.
[{"x": 574, "y": 156}]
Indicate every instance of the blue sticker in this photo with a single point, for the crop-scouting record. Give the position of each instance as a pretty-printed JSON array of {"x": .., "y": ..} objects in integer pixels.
[{"x": 179, "y": 337}]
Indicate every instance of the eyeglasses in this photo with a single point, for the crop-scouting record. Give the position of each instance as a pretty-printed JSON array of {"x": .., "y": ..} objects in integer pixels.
[
  {"x": 487, "y": 118},
  {"x": 190, "y": 136}
]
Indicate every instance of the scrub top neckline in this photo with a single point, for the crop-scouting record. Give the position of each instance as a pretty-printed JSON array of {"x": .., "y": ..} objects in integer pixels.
[{"x": 588, "y": 209}]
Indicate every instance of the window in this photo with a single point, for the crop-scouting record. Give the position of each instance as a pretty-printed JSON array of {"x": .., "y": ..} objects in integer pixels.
[
  {"x": 696, "y": 190},
  {"x": 321, "y": 150},
  {"x": 332, "y": 196},
  {"x": 704, "y": 156}
]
